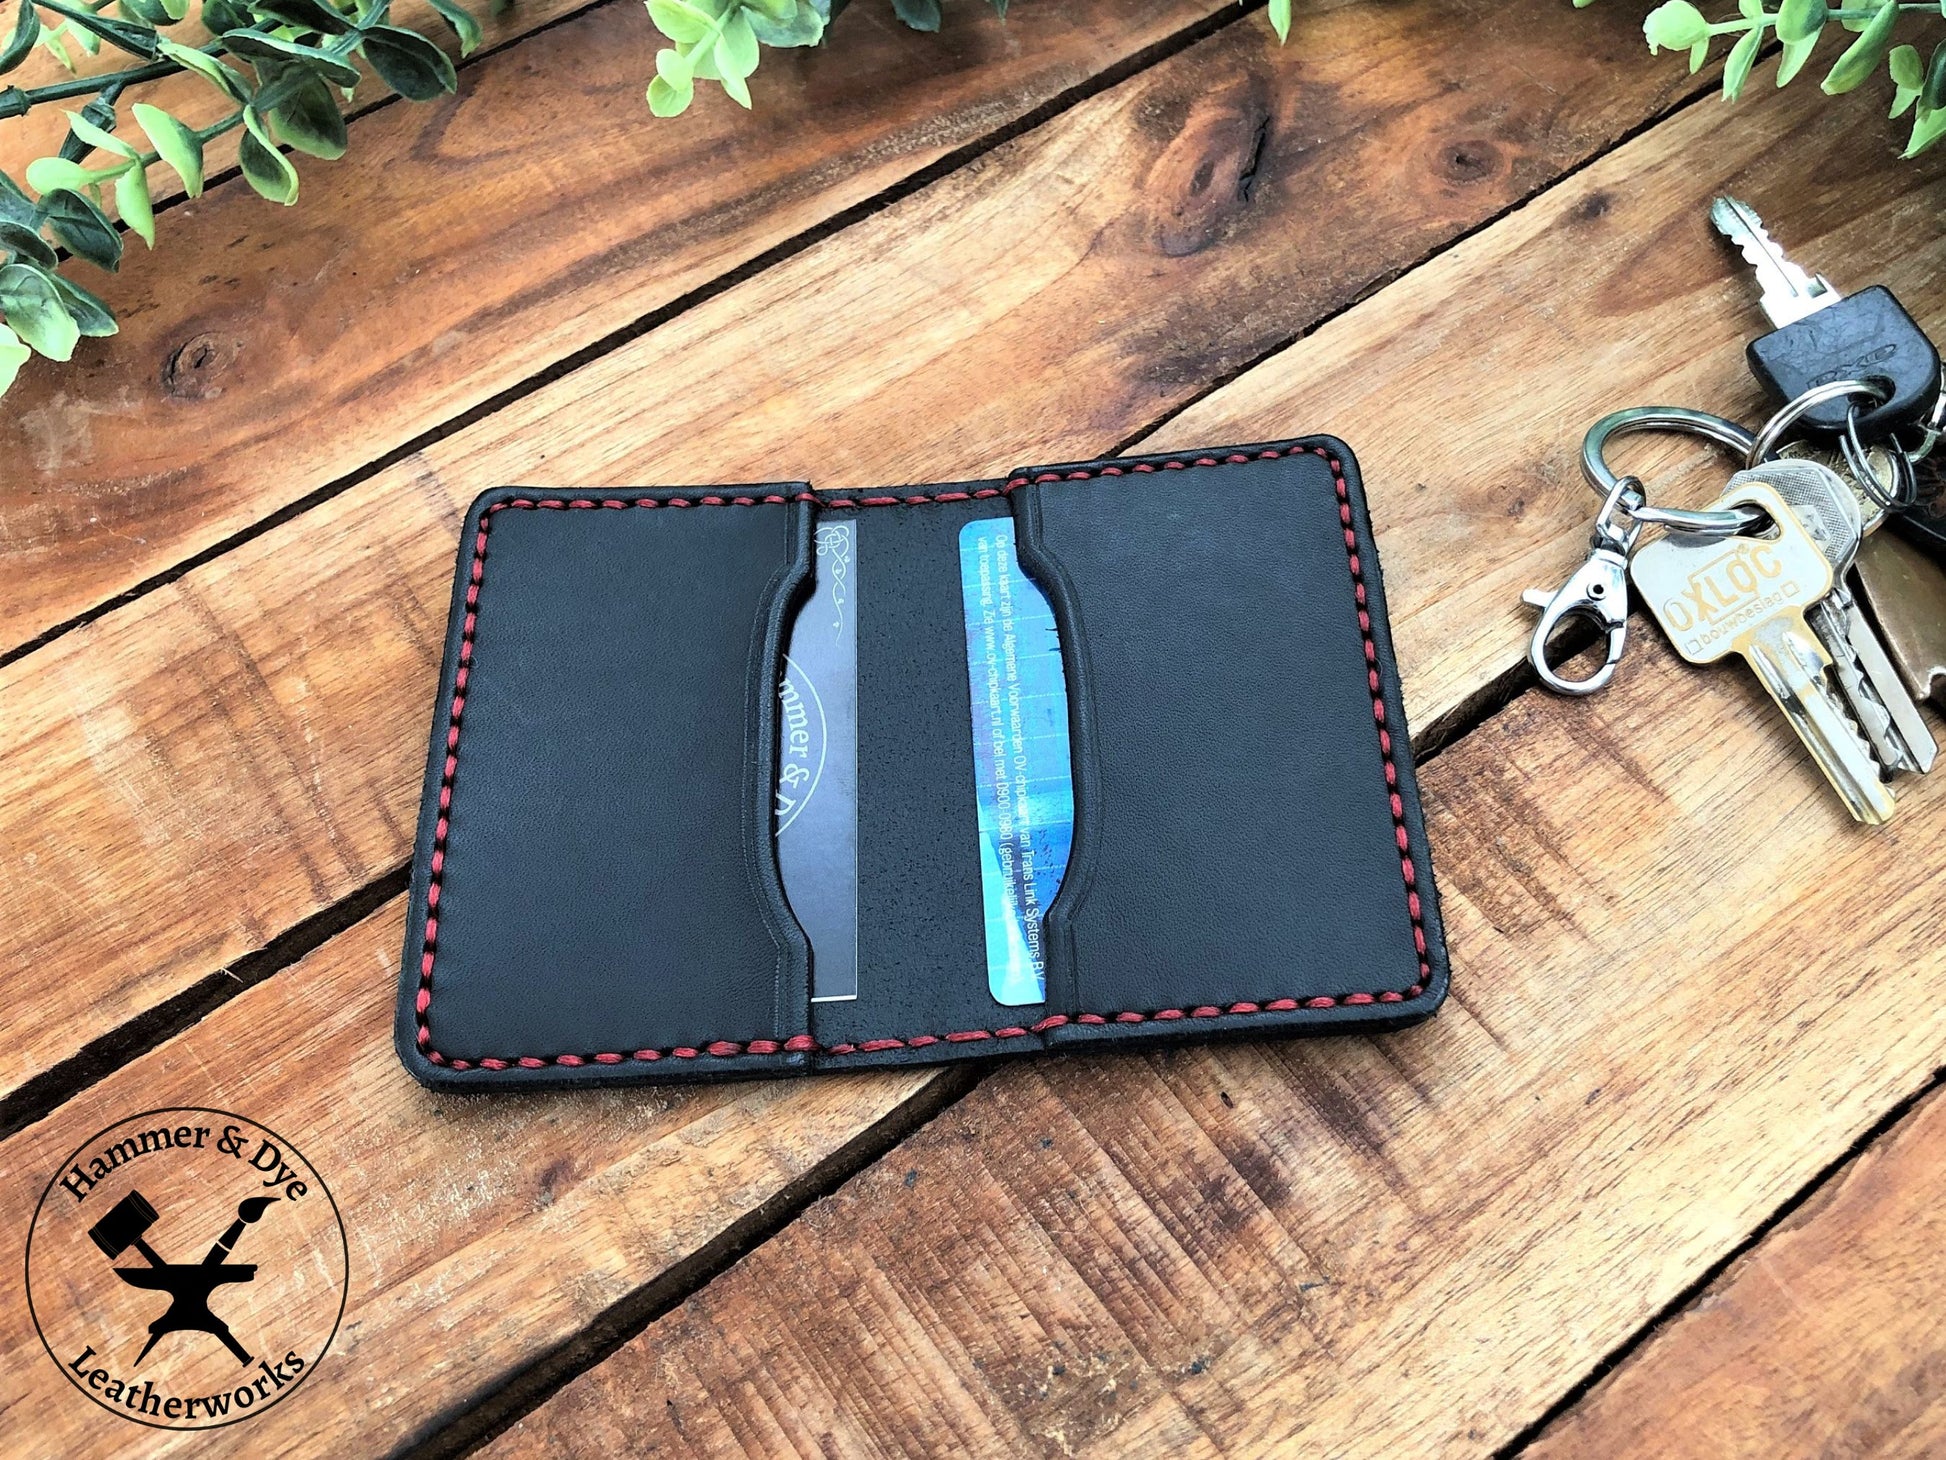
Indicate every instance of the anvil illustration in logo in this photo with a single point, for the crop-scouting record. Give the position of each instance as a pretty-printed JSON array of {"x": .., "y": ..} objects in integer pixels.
[{"x": 188, "y": 1285}]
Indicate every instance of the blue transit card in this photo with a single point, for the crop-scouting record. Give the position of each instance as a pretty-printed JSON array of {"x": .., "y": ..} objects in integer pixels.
[
  {"x": 817, "y": 766},
  {"x": 1021, "y": 766}
]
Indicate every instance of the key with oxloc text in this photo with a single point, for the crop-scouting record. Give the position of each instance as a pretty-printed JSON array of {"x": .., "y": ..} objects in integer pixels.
[
  {"x": 1820, "y": 336},
  {"x": 1746, "y": 595}
]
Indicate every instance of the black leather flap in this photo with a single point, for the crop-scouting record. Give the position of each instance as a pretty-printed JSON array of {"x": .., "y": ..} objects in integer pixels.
[{"x": 597, "y": 885}]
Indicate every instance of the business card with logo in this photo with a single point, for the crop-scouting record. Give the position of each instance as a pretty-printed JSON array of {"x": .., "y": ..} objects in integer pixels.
[{"x": 817, "y": 766}]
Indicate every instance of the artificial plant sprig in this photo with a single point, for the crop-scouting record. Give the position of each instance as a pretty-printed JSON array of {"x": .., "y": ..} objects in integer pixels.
[
  {"x": 1918, "y": 86},
  {"x": 282, "y": 69}
]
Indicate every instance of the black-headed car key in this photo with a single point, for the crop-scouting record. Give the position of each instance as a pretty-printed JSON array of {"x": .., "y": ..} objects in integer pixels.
[{"x": 1820, "y": 335}]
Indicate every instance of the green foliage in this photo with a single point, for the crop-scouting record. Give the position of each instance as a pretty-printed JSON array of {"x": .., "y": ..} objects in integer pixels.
[
  {"x": 1799, "y": 26},
  {"x": 280, "y": 68}
]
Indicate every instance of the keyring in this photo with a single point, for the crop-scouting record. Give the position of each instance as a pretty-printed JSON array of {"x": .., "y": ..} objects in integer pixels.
[
  {"x": 1601, "y": 477},
  {"x": 1764, "y": 445},
  {"x": 1905, "y": 483}
]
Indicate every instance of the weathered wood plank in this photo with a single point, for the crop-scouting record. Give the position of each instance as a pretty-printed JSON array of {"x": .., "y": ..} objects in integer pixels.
[
  {"x": 462, "y": 246},
  {"x": 1682, "y": 985},
  {"x": 249, "y": 729},
  {"x": 482, "y": 1231},
  {"x": 1466, "y": 387},
  {"x": 1828, "y": 1338}
]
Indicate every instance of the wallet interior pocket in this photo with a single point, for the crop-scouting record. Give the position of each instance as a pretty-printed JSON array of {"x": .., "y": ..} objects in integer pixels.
[
  {"x": 599, "y": 883},
  {"x": 922, "y": 972},
  {"x": 1236, "y": 777}
]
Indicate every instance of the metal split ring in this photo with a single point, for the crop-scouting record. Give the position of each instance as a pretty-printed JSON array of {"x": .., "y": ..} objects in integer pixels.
[
  {"x": 1728, "y": 434},
  {"x": 1764, "y": 445},
  {"x": 1904, "y": 490}
]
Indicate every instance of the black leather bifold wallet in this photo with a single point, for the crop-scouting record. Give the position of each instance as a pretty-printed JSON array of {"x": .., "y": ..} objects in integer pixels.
[{"x": 596, "y": 897}]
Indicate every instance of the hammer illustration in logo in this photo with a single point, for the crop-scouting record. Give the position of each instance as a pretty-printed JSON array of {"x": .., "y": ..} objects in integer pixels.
[{"x": 188, "y": 1285}]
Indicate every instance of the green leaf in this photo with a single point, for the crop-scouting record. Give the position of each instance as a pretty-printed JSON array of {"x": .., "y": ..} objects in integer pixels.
[
  {"x": 1736, "y": 70},
  {"x": 27, "y": 30},
  {"x": 1280, "y": 19},
  {"x": 1675, "y": 25},
  {"x": 1862, "y": 56},
  {"x": 1932, "y": 91},
  {"x": 1800, "y": 20},
  {"x": 255, "y": 46},
  {"x": 22, "y": 239},
  {"x": 311, "y": 122},
  {"x": 89, "y": 314},
  {"x": 52, "y": 43},
  {"x": 1751, "y": 10},
  {"x": 13, "y": 354},
  {"x": 15, "y": 205},
  {"x": 137, "y": 40},
  {"x": 1796, "y": 53},
  {"x": 804, "y": 28},
  {"x": 95, "y": 136},
  {"x": 738, "y": 90},
  {"x": 311, "y": 15},
  {"x": 409, "y": 63},
  {"x": 34, "y": 311},
  {"x": 464, "y": 26},
  {"x": 736, "y": 48},
  {"x": 1908, "y": 76},
  {"x": 132, "y": 202},
  {"x": 682, "y": 22},
  {"x": 174, "y": 143},
  {"x": 1698, "y": 54},
  {"x": 673, "y": 88},
  {"x": 1908, "y": 71},
  {"x": 146, "y": 12},
  {"x": 47, "y": 174},
  {"x": 924, "y": 14},
  {"x": 78, "y": 222},
  {"x": 1928, "y": 126},
  {"x": 267, "y": 170},
  {"x": 207, "y": 67},
  {"x": 780, "y": 11}
]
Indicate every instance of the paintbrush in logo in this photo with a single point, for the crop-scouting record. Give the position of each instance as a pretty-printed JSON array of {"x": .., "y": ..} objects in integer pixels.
[{"x": 189, "y": 1285}]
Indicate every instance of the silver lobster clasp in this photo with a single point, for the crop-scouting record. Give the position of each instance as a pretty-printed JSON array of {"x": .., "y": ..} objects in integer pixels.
[{"x": 1597, "y": 591}]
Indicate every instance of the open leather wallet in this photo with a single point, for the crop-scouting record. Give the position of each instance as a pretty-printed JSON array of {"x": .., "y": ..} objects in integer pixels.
[{"x": 596, "y": 895}]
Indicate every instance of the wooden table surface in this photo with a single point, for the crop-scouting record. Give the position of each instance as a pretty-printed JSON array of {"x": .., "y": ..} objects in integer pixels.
[{"x": 1664, "y": 1177}]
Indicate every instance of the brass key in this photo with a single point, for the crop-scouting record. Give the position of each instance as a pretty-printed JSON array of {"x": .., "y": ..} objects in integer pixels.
[
  {"x": 1907, "y": 594},
  {"x": 1746, "y": 595}
]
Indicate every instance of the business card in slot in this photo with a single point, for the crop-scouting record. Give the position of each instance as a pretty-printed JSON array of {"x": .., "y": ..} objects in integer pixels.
[
  {"x": 817, "y": 765},
  {"x": 1022, "y": 772}
]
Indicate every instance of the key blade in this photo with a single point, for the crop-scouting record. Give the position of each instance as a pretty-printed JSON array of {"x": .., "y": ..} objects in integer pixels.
[
  {"x": 1789, "y": 664},
  {"x": 1913, "y": 732},
  {"x": 1788, "y": 294}
]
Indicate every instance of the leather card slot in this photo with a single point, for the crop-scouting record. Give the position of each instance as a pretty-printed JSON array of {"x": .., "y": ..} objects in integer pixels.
[
  {"x": 1247, "y": 838},
  {"x": 595, "y": 893}
]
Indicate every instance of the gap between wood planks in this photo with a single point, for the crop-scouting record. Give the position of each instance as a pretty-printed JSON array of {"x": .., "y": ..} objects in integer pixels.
[
  {"x": 1054, "y": 106},
  {"x": 1831, "y": 1173}
]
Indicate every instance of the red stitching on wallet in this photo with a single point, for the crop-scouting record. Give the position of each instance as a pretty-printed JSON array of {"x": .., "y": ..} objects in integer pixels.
[{"x": 803, "y": 1043}]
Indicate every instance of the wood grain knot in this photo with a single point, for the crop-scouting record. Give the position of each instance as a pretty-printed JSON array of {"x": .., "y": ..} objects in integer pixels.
[
  {"x": 195, "y": 371},
  {"x": 1470, "y": 161},
  {"x": 1205, "y": 176}
]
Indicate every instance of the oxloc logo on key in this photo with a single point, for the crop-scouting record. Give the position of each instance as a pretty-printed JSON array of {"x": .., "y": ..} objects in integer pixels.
[{"x": 186, "y": 1268}]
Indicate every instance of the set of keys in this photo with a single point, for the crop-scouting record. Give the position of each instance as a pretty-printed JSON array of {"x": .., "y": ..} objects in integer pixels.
[{"x": 1773, "y": 570}]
